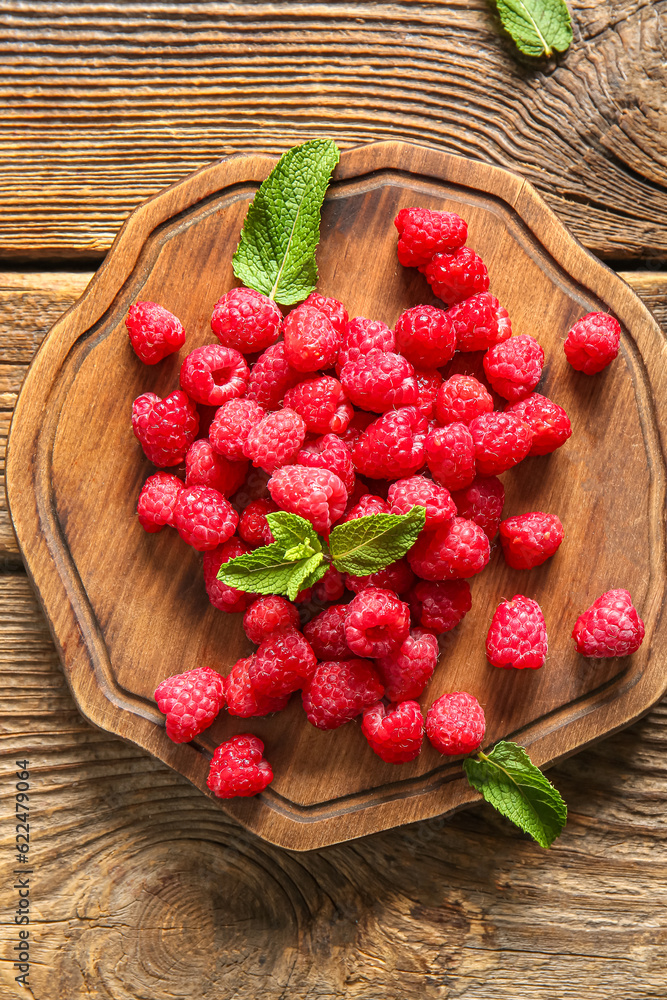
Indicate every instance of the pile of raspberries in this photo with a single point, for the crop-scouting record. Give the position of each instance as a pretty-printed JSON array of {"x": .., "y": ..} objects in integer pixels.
[{"x": 346, "y": 418}]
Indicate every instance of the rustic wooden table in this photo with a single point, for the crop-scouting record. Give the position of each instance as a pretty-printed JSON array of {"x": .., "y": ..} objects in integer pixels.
[{"x": 140, "y": 886}]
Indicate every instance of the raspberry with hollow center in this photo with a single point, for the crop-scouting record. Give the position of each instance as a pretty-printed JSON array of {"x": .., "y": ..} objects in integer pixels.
[
  {"x": 275, "y": 441},
  {"x": 231, "y": 425},
  {"x": 425, "y": 337},
  {"x": 450, "y": 455},
  {"x": 204, "y": 518},
  {"x": 253, "y": 526},
  {"x": 213, "y": 374},
  {"x": 502, "y": 440},
  {"x": 610, "y": 627},
  {"x": 377, "y": 622},
  {"x": 271, "y": 377},
  {"x": 190, "y": 701},
  {"x": 205, "y": 467},
  {"x": 379, "y": 381},
  {"x": 479, "y": 322},
  {"x": 440, "y": 606},
  {"x": 423, "y": 233},
  {"x": 482, "y": 502},
  {"x": 154, "y": 332},
  {"x": 329, "y": 452},
  {"x": 246, "y": 320},
  {"x": 318, "y": 401},
  {"x": 456, "y": 276},
  {"x": 393, "y": 446},
  {"x": 238, "y": 768},
  {"x": 157, "y": 500},
  {"x": 340, "y": 690},
  {"x": 460, "y": 399},
  {"x": 283, "y": 663},
  {"x": 395, "y": 733},
  {"x": 453, "y": 552},
  {"x": 397, "y": 576},
  {"x": 334, "y": 310},
  {"x": 315, "y": 494},
  {"x": 405, "y": 494},
  {"x": 547, "y": 420},
  {"x": 517, "y": 637},
  {"x": 407, "y": 670},
  {"x": 242, "y": 699},
  {"x": 268, "y": 614},
  {"x": 514, "y": 367},
  {"x": 428, "y": 386},
  {"x": 528, "y": 540},
  {"x": 222, "y": 596},
  {"x": 455, "y": 724},
  {"x": 593, "y": 342},
  {"x": 326, "y": 634},
  {"x": 165, "y": 428},
  {"x": 311, "y": 341}
]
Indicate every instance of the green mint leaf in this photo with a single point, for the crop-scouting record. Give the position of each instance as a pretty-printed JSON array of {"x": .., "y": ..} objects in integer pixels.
[
  {"x": 537, "y": 27},
  {"x": 276, "y": 253},
  {"x": 315, "y": 576},
  {"x": 370, "y": 543},
  {"x": 264, "y": 571},
  {"x": 510, "y": 782},
  {"x": 306, "y": 569},
  {"x": 291, "y": 530}
]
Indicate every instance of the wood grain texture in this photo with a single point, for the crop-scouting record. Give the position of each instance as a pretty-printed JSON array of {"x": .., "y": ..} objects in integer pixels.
[{"x": 105, "y": 103}]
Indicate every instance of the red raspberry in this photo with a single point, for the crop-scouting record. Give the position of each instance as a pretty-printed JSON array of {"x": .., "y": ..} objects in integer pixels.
[
  {"x": 238, "y": 768},
  {"x": 547, "y": 420},
  {"x": 204, "y": 467},
  {"x": 357, "y": 425},
  {"x": 460, "y": 399},
  {"x": 479, "y": 322},
  {"x": 213, "y": 374},
  {"x": 440, "y": 606},
  {"x": 268, "y": 614},
  {"x": 330, "y": 588},
  {"x": 283, "y": 663},
  {"x": 407, "y": 670},
  {"x": 191, "y": 701},
  {"x": 518, "y": 636},
  {"x": 361, "y": 336},
  {"x": 456, "y": 276},
  {"x": 329, "y": 452},
  {"x": 334, "y": 310},
  {"x": 482, "y": 502},
  {"x": 340, "y": 690},
  {"x": 423, "y": 233},
  {"x": 425, "y": 336},
  {"x": 220, "y": 595},
  {"x": 311, "y": 342},
  {"x": 242, "y": 699},
  {"x": 368, "y": 504},
  {"x": 246, "y": 320},
  {"x": 404, "y": 494},
  {"x": 428, "y": 386},
  {"x": 396, "y": 733},
  {"x": 377, "y": 622},
  {"x": 379, "y": 381},
  {"x": 326, "y": 634},
  {"x": 514, "y": 367},
  {"x": 593, "y": 342},
  {"x": 450, "y": 454},
  {"x": 502, "y": 440},
  {"x": 154, "y": 332},
  {"x": 397, "y": 576},
  {"x": 610, "y": 627},
  {"x": 276, "y": 440},
  {"x": 455, "y": 724},
  {"x": 317, "y": 400},
  {"x": 165, "y": 428},
  {"x": 528, "y": 540},
  {"x": 393, "y": 446},
  {"x": 231, "y": 425},
  {"x": 271, "y": 377},
  {"x": 450, "y": 553},
  {"x": 253, "y": 526},
  {"x": 315, "y": 494},
  {"x": 157, "y": 500},
  {"x": 469, "y": 363},
  {"x": 204, "y": 518}
]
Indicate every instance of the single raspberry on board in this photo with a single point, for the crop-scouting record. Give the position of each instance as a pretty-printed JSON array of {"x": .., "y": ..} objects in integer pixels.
[
  {"x": 610, "y": 627},
  {"x": 242, "y": 699},
  {"x": 191, "y": 701},
  {"x": 407, "y": 670},
  {"x": 379, "y": 381},
  {"x": 479, "y": 322},
  {"x": 238, "y": 768},
  {"x": 231, "y": 425},
  {"x": 331, "y": 587},
  {"x": 425, "y": 337},
  {"x": 377, "y": 622},
  {"x": 271, "y": 377},
  {"x": 154, "y": 332},
  {"x": 340, "y": 690},
  {"x": 528, "y": 540},
  {"x": 397, "y": 576},
  {"x": 367, "y": 504},
  {"x": 268, "y": 614},
  {"x": 593, "y": 342},
  {"x": 456, "y": 276},
  {"x": 518, "y": 635},
  {"x": 253, "y": 526},
  {"x": 440, "y": 606},
  {"x": 315, "y": 494},
  {"x": 428, "y": 386},
  {"x": 393, "y": 446},
  {"x": 482, "y": 502},
  {"x": 334, "y": 310},
  {"x": 547, "y": 420},
  {"x": 514, "y": 367},
  {"x": 204, "y": 518},
  {"x": 213, "y": 374},
  {"x": 450, "y": 455},
  {"x": 311, "y": 340},
  {"x": 318, "y": 401},
  {"x": 405, "y": 494},
  {"x": 283, "y": 663},
  {"x": 222, "y": 596},
  {"x": 455, "y": 724},
  {"x": 205, "y": 467},
  {"x": 275, "y": 441},
  {"x": 453, "y": 552},
  {"x": 460, "y": 399},
  {"x": 157, "y": 500},
  {"x": 165, "y": 428},
  {"x": 502, "y": 440},
  {"x": 329, "y": 452},
  {"x": 246, "y": 320},
  {"x": 423, "y": 233},
  {"x": 395, "y": 733},
  {"x": 326, "y": 634},
  {"x": 362, "y": 335}
]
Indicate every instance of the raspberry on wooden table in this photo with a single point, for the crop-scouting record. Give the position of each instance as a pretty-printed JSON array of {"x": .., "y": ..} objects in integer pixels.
[
  {"x": 528, "y": 540},
  {"x": 319, "y": 402},
  {"x": 154, "y": 332},
  {"x": 231, "y": 425},
  {"x": 331, "y": 587},
  {"x": 329, "y": 452},
  {"x": 379, "y": 381},
  {"x": 456, "y": 276},
  {"x": 334, "y": 310},
  {"x": 242, "y": 699},
  {"x": 317, "y": 495},
  {"x": 482, "y": 502},
  {"x": 253, "y": 526},
  {"x": 502, "y": 440},
  {"x": 268, "y": 614},
  {"x": 514, "y": 367},
  {"x": 440, "y": 606},
  {"x": 460, "y": 399},
  {"x": 157, "y": 500},
  {"x": 362, "y": 335},
  {"x": 517, "y": 637},
  {"x": 213, "y": 374},
  {"x": 190, "y": 701},
  {"x": 246, "y": 320},
  {"x": 394, "y": 733},
  {"x": 393, "y": 446},
  {"x": 425, "y": 336},
  {"x": 455, "y": 724},
  {"x": 610, "y": 627},
  {"x": 377, "y": 622},
  {"x": 311, "y": 341},
  {"x": 450, "y": 455},
  {"x": 423, "y": 233},
  {"x": 204, "y": 518},
  {"x": 220, "y": 594},
  {"x": 165, "y": 428},
  {"x": 326, "y": 634},
  {"x": 453, "y": 552},
  {"x": 271, "y": 377},
  {"x": 547, "y": 420},
  {"x": 404, "y": 494},
  {"x": 407, "y": 670},
  {"x": 397, "y": 576},
  {"x": 428, "y": 385},
  {"x": 479, "y": 322},
  {"x": 283, "y": 663},
  {"x": 340, "y": 690},
  {"x": 205, "y": 467},
  {"x": 368, "y": 504},
  {"x": 593, "y": 342},
  {"x": 238, "y": 768},
  {"x": 275, "y": 441}
]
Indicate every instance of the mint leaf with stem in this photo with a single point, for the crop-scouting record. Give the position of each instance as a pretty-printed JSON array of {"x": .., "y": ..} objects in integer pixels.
[
  {"x": 265, "y": 571},
  {"x": 536, "y": 27},
  {"x": 368, "y": 544}
]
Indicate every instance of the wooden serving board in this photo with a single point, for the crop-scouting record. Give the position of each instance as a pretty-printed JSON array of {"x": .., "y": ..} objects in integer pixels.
[{"x": 127, "y": 608}]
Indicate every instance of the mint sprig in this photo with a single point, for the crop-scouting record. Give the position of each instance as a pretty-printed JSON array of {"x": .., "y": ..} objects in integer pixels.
[
  {"x": 537, "y": 27},
  {"x": 368, "y": 544},
  {"x": 276, "y": 252}
]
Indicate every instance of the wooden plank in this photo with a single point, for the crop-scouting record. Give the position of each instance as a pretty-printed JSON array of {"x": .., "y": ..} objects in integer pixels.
[{"x": 105, "y": 103}]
